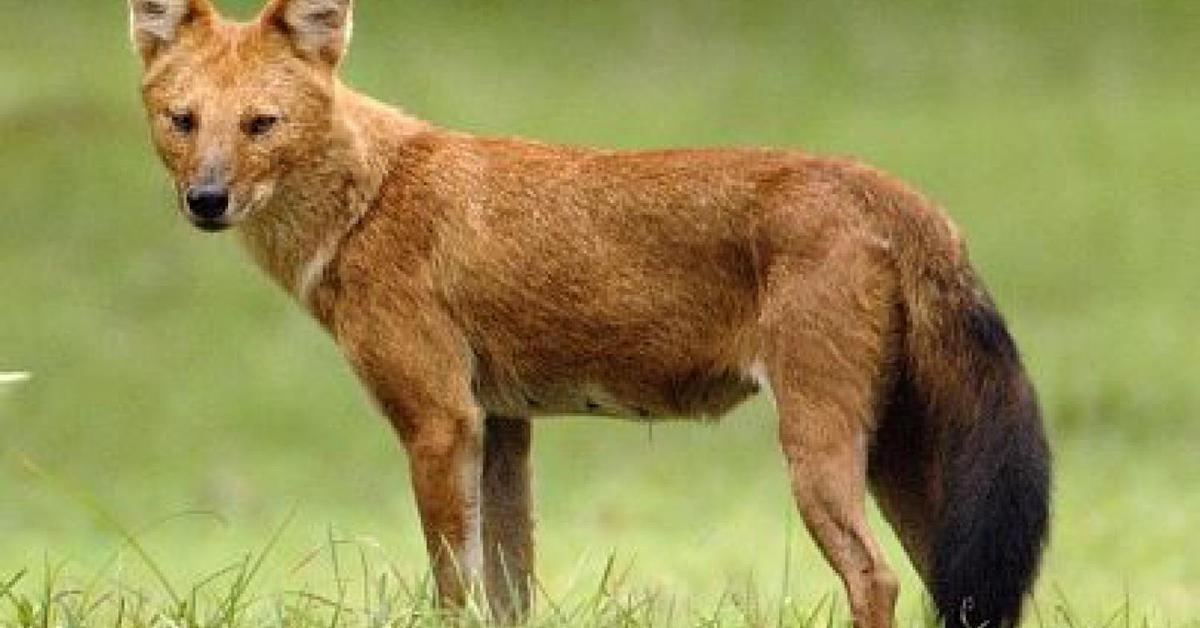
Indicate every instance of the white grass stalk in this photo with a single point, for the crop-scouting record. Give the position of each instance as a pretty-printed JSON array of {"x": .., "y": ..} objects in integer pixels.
[{"x": 14, "y": 378}]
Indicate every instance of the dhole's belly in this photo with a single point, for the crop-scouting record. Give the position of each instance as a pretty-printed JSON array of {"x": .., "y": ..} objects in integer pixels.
[{"x": 638, "y": 392}]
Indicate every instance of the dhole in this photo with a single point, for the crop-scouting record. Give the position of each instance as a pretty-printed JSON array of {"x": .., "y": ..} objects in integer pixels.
[{"x": 475, "y": 283}]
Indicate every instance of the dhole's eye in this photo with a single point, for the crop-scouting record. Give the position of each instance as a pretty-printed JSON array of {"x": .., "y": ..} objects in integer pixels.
[
  {"x": 183, "y": 121},
  {"x": 260, "y": 125}
]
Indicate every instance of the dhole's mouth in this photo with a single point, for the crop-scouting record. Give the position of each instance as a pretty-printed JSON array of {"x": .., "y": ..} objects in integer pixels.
[{"x": 209, "y": 226}]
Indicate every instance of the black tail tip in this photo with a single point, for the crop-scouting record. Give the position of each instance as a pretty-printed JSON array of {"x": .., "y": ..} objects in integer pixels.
[
  {"x": 964, "y": 612},
  {"x": 994, "y": 525}
]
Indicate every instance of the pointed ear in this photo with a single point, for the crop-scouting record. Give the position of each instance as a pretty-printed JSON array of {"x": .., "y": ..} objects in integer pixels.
[
  {"x": 156, "y": 24},
  {"x": 318, "y": 29}
]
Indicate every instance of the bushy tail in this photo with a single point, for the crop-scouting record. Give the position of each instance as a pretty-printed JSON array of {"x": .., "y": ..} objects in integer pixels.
[
  {"x": 994, "y": 512},
  {"x": 960, "y": 464}
]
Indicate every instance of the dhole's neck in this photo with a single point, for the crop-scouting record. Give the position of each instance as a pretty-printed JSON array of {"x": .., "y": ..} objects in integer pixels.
[{"x": 326, "y": 193}]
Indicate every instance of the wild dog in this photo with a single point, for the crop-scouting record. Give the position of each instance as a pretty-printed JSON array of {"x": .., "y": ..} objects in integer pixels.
[{"x": 474, "y": 283}]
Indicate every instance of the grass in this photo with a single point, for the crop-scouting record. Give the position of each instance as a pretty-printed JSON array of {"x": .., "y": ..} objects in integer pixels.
[
  {"x": 385, "y": 600},
  {"x": 171, "y": 378},
  {"x": 672, "y": 565},
  {"x": 365, "y": 590},
  {"x": 362, "y": 587}
]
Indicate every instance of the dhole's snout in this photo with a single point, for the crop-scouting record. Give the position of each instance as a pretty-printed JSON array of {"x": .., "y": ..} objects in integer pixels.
[
  {"x": 208, "y": 206},
  {"x": 207, "y": 197}
]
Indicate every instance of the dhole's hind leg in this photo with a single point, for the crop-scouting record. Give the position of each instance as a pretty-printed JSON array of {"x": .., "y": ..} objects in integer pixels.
[
  {"x": 507, "y": 524},
  {"x": 827, "y": 336},
  {"x": 828, "y": 482}
]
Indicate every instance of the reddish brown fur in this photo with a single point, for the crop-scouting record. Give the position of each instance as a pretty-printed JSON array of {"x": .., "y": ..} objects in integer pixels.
[{"x": 469, "y": 277}]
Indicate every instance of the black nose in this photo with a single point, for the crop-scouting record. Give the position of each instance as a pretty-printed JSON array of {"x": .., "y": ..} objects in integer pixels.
[{"x": 208, "y": 203}]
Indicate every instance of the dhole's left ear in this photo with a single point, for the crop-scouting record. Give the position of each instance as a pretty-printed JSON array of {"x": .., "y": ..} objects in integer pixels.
[
  {"x": 318, "y": 29},
  {"x": 156, "y": 24}
]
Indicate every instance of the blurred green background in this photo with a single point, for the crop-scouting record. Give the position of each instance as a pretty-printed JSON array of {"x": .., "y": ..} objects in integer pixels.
[{"x": 170, "y": 376}]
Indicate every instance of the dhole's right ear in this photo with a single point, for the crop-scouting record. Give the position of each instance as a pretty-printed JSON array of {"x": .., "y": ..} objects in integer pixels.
[{"x": 156, "y": 24}]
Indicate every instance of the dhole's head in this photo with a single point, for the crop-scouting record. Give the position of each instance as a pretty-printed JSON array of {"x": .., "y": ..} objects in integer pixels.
[{"x": 232, "y": 106}]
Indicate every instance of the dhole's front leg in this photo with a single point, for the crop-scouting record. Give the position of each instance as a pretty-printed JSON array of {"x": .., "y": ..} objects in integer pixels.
[
  {"x": 445, "y": 460},
  {"x": 419, "y": 371}
]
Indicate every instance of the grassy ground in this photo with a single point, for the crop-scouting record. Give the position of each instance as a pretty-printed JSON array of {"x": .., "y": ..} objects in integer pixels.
[{"x": 170, "y": 378}]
